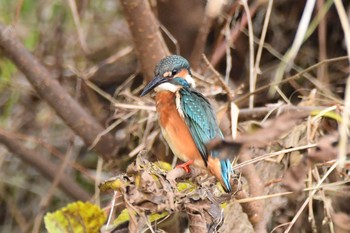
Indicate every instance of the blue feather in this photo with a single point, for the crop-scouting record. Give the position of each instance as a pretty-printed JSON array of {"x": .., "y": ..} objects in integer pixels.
[{"x": 201, "y": 120}]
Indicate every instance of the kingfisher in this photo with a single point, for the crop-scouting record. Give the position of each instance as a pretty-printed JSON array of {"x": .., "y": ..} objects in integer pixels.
[{"x": 186, "y": 118}]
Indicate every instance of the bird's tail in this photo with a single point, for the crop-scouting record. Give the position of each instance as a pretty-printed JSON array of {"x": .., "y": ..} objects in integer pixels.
[
  {"x": 226, "y": 174},
  {"x": 221, "y": 169}
]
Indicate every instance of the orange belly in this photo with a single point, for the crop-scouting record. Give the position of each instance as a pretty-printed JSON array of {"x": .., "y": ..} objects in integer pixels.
[{"x": 175, "y": 130}]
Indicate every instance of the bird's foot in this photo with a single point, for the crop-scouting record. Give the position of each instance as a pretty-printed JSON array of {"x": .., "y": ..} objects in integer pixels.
[{"x": 186, "y": 166}]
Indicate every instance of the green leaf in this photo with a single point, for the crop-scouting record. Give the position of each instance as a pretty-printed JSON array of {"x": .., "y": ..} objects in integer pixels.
[
  {"x": 112, "y": 184},
  {"x": 331, "y": 115},
  {"x": 186, "y": 185},
  {"x": 122, "y": 218},
  {"x": 76, "y": 217},
  {"x": 163, "y": 165},
  {"x": 157, "y": 216}
]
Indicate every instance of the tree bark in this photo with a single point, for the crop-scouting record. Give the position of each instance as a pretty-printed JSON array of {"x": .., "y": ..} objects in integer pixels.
[{"x": 148, "y": 41}]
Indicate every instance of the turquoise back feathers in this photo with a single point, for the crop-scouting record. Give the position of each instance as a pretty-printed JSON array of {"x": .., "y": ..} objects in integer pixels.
[{"x": 201, "y": 120}]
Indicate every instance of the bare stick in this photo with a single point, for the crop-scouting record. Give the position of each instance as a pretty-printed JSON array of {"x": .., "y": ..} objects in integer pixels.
[
  {"x": 252, "y": 81},
  {"x": 236, "y": 31},
  {"x": 77, "y": 23}
]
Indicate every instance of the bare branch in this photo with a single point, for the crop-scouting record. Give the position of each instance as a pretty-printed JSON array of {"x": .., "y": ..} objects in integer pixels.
[
  {"x": 149, "y": 44},
  {"x": 82, "y": 123},
  {"x": 44, "y": 166}
]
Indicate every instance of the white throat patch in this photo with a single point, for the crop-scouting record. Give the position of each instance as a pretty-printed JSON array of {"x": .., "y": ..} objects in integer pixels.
[
  {"x": 174, "y": 89},
  {"x": 167, "y": 87},
  {"x": 190, "y": 80}
]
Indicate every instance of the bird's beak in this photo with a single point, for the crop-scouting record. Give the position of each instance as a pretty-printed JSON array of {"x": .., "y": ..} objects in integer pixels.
[{"x": 154, "y": 83}]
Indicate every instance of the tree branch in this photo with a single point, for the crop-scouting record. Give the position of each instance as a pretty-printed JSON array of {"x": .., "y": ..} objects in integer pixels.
[
  {"x": 149, "y": 44},
  {"x": 199, "y": 45},
  {"x": 82, "y": 123},
  {"x": 44, "y": 166},
  {"x": 235, "y": 33}
]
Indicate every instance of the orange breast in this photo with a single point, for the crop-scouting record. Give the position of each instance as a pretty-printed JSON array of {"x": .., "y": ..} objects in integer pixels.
[{"x": 175, "y": 130}]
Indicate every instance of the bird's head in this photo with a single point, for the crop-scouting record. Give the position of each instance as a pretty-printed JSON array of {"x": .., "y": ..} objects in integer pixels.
[{"x": 171, "y": 74}]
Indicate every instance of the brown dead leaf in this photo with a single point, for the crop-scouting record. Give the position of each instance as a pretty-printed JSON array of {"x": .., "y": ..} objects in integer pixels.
[
  {"x": 199, "y": 217},
  {"x": 148, "y": 182},
  {"x": 151, "y": 189}
]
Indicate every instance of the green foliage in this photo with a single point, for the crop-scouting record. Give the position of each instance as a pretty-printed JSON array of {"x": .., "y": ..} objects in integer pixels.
[
  {"x": 113, "y": 184},
  {"x": 163, "y": 165},
  {"x": 7, "y": 68},
  {"x": 124, "y": 217},
  {"x": 76, "y": 217},
  {"x": 330, "y": 114},
  {"x": 185, "y": 186},
  {"x": 6, "y": 71},
  {"x": 5, "y": 6},
  {"x": 32, "y": 39}
]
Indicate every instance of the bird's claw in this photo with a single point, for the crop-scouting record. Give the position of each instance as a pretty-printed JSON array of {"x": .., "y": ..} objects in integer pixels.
[{"x": 186, "y": 166}]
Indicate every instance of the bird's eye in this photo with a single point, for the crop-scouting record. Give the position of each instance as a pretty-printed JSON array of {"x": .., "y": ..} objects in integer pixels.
[{"x": 173, "y": 72}]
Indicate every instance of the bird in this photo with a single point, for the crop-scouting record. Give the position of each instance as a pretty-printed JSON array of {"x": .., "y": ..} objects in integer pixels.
[{"x": 186, "y": 118}]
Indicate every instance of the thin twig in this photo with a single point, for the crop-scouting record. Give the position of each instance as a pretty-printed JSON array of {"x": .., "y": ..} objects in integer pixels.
[
  {"x": 256, "y": 69},
  {"x": 171, "y": 37},
  {"x": 290, "y": 55},
  {"x": 109, "y": 128},
  {"x": 228, "y": 50},
  {"x": 308, "y": 198},
  {"x": 44, "y": 82},
  {"x": 250, "y": 199},
  {"x": 344, "y": 125},
  {"x": 118, "y": 55},
  {"x": 219, "y": 78},
  {"x": 44, "y": 166},
  {"x": 252, "y": 81},
  {"x": 297, "y": 68},
  {"x": 77, "y": 23},
  {"x": 236, "y": 31},
  {"x": 296, "y": 76},
  {"x": 45, "y": 201},
  {"x": 269, "y": 155}
]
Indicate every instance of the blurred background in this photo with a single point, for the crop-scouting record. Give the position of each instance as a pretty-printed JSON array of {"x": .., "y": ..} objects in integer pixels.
[{"x": 88, "y": 48}]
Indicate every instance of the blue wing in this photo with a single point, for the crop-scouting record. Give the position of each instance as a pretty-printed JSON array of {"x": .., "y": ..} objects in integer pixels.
[{"x": 201, "y": 120}]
